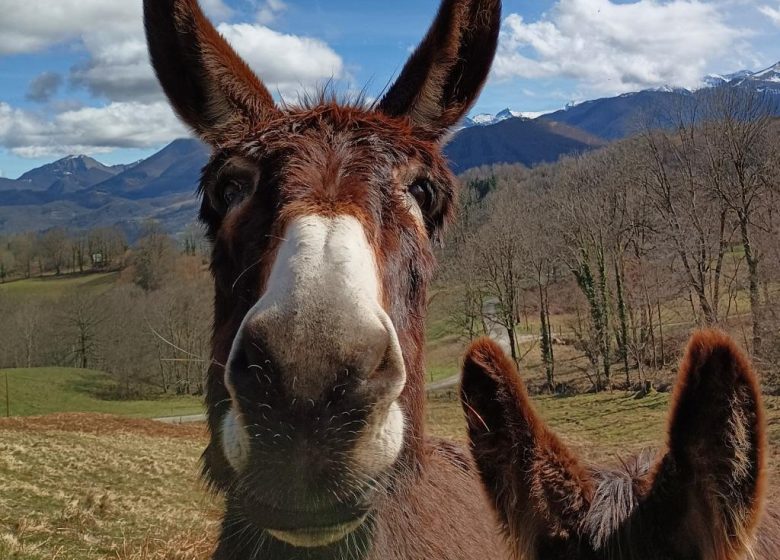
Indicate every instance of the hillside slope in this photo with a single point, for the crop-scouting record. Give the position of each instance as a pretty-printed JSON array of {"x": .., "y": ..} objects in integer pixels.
[
  {"x": 38, "y": 391},
  {"x": 516, "y": 140}
]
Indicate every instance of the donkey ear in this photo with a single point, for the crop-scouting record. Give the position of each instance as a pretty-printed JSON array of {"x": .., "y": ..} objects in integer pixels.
[
  {"x": 709, "y": 487},
  {"x": 209, "y": 85},
  {"x": 537, "y": 486},
  {"x": 442, "y": 79}
]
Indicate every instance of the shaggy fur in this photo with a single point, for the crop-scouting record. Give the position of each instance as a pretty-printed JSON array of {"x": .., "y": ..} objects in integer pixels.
[
  {"x": 701, "y": 498},
  {"x": 330, "y": 159}
]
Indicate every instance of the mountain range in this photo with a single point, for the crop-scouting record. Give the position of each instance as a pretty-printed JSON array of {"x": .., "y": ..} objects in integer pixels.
[
  {"x": 486, "y": 119},
  {"x": 79, "y": 192}
]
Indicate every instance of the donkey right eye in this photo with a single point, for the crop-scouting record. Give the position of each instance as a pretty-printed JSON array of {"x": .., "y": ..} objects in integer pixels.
[{"x": 233, "y": 192}]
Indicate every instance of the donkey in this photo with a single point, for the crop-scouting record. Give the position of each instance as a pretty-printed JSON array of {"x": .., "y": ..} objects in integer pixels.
[
  {"x": 322, "y": 219},
  {"x": 701, "y": 498}
]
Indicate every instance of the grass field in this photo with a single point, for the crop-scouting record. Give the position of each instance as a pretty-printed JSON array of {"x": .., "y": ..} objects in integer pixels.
[
  {"x": 40, "y": 391},
  {"x": 56, "y": 286},
  {"x": 89, "y": 487}
]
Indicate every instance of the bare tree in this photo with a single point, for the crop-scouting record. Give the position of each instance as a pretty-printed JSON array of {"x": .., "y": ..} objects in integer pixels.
[
  {"x": 502, "y": 260},
  {"x": 53, "y": 248},
  {"x": 737, "y": 147},
  {"x": 153, "y": 257},
  {"x": 23, "y": 248},
  {"x": 82, "y": 316},
  {"x": 79, "y": 251},
  {"x": 542, "y": 252},
  {"x": 106, "y": 247},
  {"x": 695, "y": 224},
  {"x": 461, "y": 264},
  {"x": 7, "y": 262},
  {"x": 178, "y": 323},
  {"x": 584, "y": 227}
]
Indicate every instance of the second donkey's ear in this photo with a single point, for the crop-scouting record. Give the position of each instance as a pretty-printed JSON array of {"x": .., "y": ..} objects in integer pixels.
[
  {"x": 539, "y": 489},
  {"x": 706, "y": 492},
  {"x": 208, "y": 84},
  {"x": 443, "y": 78}
]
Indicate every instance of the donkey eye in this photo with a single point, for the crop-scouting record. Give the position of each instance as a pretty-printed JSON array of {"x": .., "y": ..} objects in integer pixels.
[
  {"x": 423, "y": 193},
  {"x": 232, "y": 192}
]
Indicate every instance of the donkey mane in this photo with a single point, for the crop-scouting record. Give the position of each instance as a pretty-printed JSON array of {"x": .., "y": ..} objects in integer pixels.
[
  {"x": 615, "y": 504},
  {"x": 329, "y": 93},
  {"x": 615, "y": 496}
]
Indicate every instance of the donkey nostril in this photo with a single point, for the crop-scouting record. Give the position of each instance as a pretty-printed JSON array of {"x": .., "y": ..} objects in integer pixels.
[{"x": 387, "y": 377}]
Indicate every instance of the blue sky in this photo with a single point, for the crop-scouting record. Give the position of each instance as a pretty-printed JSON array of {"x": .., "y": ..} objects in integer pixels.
[{"x": 74, "y": 77}]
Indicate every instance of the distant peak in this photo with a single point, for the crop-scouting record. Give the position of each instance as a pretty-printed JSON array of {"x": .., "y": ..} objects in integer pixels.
[
  {"x": 767, "y": 72},
  {"x": 78, "y": 157},
  {"x": 508, "y": 114},
  {"x": 769, "y": 75},
  {"x": 487, "y": 119}
]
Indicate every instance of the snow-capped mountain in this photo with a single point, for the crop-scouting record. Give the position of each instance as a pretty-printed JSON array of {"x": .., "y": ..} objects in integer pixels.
[
  {"x": 771, "y": 74},
  {"x": 68, "y": 174},
  {"x": 767, "y": 79},
  {"x": 509, "y": 114},
  {"x": 483, "y": 119},
  {"x": 714, "y": 80},
  {"x": 612, "y": 118},
  {"x": 486, "y": 119}
]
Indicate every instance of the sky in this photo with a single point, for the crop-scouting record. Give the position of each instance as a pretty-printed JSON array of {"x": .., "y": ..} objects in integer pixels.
[{"x": 75, "y": 77}]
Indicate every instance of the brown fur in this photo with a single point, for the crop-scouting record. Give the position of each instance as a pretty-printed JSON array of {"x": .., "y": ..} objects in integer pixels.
[
  {"x": 327, "y": 158},
  {"x": 702, "y": 497}
]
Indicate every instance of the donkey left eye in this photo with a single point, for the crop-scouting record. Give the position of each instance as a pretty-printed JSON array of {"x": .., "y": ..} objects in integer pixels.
[
  {"x": 423, "y": 193},
  {"x": 232, "y": 193}
]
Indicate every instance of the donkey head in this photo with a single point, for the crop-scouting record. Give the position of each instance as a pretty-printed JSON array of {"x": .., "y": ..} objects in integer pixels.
[
  {"x": 701, "y": 498},
  {"x": 322, "y": 219}
]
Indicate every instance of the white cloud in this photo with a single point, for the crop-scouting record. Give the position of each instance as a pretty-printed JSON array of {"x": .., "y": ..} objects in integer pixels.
[
  {"x": 269, "y": 10},
  {"x": 88, "y": 129},
  {"x": 286, "y": 63},
  {"x": 772, "y": 13},
  {"x": 117, "y": 69},
  {"x": 612, "y": 48},
  {"x": 33, "y": 25}
]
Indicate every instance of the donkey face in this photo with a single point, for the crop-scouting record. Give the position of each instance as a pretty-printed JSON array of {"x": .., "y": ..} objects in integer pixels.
[
  {"x": 322, "y": 219},
  {"x": 700, "y": 499}
]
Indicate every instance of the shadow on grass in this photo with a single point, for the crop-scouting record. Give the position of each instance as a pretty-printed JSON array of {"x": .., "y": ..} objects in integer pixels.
[{"x": 99, "y": 386}]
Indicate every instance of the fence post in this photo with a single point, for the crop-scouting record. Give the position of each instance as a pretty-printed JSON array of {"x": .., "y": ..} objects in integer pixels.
[{"x": 7, "y": 398}]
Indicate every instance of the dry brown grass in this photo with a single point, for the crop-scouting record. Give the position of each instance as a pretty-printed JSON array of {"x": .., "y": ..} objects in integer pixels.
[
  {"x": 89, "y": 487},
  {"x": 93, "y": 487},
  {"x": 103, "y": 425}
]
